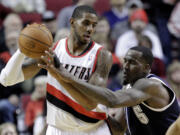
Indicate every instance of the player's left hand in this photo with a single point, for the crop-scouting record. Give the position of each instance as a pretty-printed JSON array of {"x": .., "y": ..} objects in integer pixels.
[
  {"x": 48, "y": 62},
  {"x": 52, "y": 65}
]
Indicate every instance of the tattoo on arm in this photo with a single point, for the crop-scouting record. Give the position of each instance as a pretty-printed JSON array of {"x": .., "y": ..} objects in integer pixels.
[{"x": 103, "y": 67}]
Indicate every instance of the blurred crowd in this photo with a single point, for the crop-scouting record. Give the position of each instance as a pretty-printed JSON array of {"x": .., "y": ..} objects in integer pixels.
[{"x": 122, "y": 25}]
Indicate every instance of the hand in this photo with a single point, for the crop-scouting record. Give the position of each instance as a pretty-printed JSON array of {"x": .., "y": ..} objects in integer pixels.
[
  {"x": 51, "y": 63},
  {"x": 48, "y": 63}
]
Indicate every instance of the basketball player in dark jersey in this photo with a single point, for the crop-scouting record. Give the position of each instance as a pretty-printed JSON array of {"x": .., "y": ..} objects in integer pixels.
[{"x": 150, "y": 105}]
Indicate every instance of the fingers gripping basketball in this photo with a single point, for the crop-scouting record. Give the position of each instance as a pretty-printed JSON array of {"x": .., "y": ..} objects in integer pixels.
[{"x": 34, "y": 39}]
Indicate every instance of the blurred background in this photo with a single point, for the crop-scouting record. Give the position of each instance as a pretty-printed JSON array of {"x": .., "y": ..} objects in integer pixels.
[{"x": 122, "y": 25}]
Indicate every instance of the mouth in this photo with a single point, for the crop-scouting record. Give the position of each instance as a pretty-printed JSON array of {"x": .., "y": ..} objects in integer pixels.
[
  {"x": 87, "y": 37},
  {"x": 125, "y": 75}
]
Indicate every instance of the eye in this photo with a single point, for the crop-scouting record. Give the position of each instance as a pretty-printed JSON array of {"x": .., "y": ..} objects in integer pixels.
[
  {"x": 86, "y": 23},
  {"x": 94, "y": 25},
  {"x": 132, "y": 62}
]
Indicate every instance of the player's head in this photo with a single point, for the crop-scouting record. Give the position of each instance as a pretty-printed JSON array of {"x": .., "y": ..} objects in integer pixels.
[
  {"x": 137, "y": 64},
  {"x": 83, "y": 23}
]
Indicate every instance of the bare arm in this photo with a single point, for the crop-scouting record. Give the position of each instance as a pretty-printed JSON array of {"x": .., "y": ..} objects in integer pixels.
[
  {"x": 30, "y": 68},
  {"x": 174, "y": 129},
  {"x": 143, "y": 89},
  {"x": 99, "y": 77},
  {"x": 117, "y": 122}
]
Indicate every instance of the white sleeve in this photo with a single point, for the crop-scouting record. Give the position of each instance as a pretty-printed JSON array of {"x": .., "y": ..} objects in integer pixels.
[{"x": 12, "y": 73}]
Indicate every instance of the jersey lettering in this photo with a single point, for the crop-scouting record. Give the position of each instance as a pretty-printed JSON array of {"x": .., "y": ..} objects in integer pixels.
[
  {"x": 140, "y": 115},
  {"x": 80, "y": 72}
]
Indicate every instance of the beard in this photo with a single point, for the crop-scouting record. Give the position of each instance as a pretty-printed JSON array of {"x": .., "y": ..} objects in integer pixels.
[{"x": 79, "y": 39}]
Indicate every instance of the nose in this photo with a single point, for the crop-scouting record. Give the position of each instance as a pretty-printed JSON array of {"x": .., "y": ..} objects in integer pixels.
[
  {"x": 125, "y": 65},
  {"x": 90, "y": 29}
]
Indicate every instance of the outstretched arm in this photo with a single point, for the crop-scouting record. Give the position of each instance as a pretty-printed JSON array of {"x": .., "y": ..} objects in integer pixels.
[
  {"x": 15, "y": 71},
  {"x": 143, "y": 89},
  {"x": 99, "y": 77}
]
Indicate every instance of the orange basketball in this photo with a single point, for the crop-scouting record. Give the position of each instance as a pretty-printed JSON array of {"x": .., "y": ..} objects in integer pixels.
[{"x": 34, "y": 39}]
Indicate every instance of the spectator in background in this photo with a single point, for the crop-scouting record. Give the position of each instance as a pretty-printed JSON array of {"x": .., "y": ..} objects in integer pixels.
[
  {"x": 117, "y": 17},
  {"x": 138, "y": 23},
  {"x": 36, "y": 104},
  {"x": 8, "y": 129},
  {"x": 133, "y": 5},
  {"x": 11, "y": 40},
  {"x": 173, "y": 78},
  {"x": 12, "y": 30},
  {"x": 49, "y": 19},
  {"x": 65, "y": 14},
  {"x": 38, "y": 6},
  {"x": 174, "y": 29},
  {"x": 4, "y": 11},
  {"x": 159, "y": 12},
  {"x": 158, "y": 66},
  {"x": 174, "y": 21},
  {"x": 12, "y": 23},
  {"x": 8, "y": 109}
]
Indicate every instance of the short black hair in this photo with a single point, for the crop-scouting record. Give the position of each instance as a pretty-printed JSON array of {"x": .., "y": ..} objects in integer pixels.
[
  {"x": 78, "y": 11},
  {"x": 147, "y": 53}
]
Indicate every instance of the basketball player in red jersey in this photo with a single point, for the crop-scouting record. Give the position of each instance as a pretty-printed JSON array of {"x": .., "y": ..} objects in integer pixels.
[{"x": 82, "y": 58}]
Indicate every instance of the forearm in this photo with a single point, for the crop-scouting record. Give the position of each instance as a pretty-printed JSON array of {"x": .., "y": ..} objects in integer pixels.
[
  {"x": 30, "y": 68},
  {"x": 97, "y": 94},
  {"x": 121, "y": 98},
  {"x": 12, "y": 73},
  {"x": 81, "y": 98}
]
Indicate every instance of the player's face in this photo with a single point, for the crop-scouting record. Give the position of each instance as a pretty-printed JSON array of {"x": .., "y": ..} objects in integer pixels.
[
  {"x": 84, "y": 27},
  {"x": 133, "y": 67}
]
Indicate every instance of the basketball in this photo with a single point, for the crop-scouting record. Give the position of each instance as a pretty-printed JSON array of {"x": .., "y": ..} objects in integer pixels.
[{"x": 34, "y": 39}]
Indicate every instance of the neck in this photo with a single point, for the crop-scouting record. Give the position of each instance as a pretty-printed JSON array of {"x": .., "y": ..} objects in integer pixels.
[
  {"x": 138, "y": 36},
  {"x": 75, "y": 46}
]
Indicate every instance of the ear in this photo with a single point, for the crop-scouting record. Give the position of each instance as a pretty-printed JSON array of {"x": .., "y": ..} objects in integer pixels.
[
  {"x": 147, "y": 68},
  {"x": 72, "y": 21}
]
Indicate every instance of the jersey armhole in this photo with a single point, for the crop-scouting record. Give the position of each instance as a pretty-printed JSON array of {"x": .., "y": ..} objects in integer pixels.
[
  {"x": 95, "y": 62},
  {"x": 55, "y": 45}
]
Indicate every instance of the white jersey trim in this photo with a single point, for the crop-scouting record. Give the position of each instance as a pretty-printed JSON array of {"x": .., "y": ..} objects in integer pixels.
[{"x": 165, "y": 107}]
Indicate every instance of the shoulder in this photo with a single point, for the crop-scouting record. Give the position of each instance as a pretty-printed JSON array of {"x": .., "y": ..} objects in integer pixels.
[
  {"x": 150, "y": 34},
  {"x": 145, "y": 84},
  {"x": 147, "y": 81},
  {"x": 108, "y": 13},
  {"x": 105, "y": 55},
  {"x": 152, "y": 87},
  {"x": 126, "y": 35}
]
